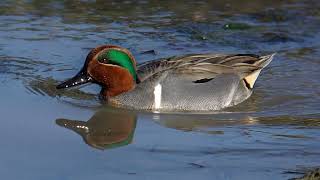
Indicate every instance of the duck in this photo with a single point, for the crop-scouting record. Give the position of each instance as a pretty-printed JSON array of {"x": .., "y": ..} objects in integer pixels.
[{"x": 192, "y": 82}]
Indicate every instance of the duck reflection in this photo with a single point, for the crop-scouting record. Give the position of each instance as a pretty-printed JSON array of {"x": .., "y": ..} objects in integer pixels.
[
  {"x": 105, "y": 129},
  {"x": 205, "y": 123},
  {"x": 112, "y": 127}
]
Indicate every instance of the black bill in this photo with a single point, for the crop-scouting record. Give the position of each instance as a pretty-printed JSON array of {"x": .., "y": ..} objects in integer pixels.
[{"x": 80, "y": 78}]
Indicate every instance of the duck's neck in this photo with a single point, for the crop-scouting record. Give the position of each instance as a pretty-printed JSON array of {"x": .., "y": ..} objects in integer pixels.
[{"x": 119, "y": 83}]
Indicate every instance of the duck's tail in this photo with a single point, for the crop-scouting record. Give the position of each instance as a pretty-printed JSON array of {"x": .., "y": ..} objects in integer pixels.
[
  {"x": 264, "y": 60},
  {"x": 260, "y": 64}
]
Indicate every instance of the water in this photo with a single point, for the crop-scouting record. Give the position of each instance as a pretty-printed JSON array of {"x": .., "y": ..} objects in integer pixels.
[{"x": 271, "y": 135}]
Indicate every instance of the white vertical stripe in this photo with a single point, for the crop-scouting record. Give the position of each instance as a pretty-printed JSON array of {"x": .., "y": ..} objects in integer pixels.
[{"x": 157, "y": 96}]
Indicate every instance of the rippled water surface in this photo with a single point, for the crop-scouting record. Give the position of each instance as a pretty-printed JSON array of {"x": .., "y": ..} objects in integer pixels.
[{"x": 70, "y": 134}]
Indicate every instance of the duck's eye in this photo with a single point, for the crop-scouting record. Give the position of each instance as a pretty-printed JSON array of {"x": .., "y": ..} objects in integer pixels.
[{"x": 103, "y": 59}]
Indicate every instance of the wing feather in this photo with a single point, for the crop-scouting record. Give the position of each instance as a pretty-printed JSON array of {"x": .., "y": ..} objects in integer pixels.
[{"x": 205, "y": 66}]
